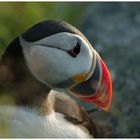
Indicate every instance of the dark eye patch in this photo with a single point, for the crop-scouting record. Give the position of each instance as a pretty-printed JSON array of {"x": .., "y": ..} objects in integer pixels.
[{"x": 75, "y": 50}]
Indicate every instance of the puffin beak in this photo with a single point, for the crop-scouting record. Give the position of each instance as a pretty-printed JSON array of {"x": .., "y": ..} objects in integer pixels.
[{"x": 97, "y": 89}]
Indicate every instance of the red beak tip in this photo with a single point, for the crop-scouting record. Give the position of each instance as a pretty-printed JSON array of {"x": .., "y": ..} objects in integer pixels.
[{"x": 102, "y": 98}]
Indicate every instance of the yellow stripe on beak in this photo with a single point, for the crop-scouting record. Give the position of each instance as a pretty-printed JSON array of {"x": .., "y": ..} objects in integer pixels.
[{"x": 78, "y": 78}]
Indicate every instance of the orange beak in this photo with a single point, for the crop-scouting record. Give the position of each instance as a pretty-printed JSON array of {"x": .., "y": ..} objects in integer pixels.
[
  {"x": 97, "y": 89},
  {"x": 103, "y": 95}
]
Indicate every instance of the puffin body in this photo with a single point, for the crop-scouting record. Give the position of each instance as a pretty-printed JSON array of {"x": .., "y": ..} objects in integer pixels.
[
  {"x": 59, "y": 122},
  {"x": 49, "y": 57}
]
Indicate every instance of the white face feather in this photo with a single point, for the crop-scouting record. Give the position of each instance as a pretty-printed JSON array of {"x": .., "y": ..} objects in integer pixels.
[{"x": 49, "y": 62}]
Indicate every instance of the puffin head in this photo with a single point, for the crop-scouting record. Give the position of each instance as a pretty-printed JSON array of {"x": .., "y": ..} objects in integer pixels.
[{"x": 59, "y": 55}]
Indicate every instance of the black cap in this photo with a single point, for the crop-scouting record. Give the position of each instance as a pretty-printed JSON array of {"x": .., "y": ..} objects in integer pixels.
[{"x": 47, "y": 28}]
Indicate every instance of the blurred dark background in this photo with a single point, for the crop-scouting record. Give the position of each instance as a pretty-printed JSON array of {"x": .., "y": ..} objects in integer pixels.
[{"x": 114, "y": 31}]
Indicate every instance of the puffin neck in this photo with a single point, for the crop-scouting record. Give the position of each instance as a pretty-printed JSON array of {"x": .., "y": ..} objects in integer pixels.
[{"x": 17, "y": 80}]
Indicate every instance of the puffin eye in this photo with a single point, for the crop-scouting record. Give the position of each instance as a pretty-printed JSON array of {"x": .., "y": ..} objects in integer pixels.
[{"x": 75, "y": 50}]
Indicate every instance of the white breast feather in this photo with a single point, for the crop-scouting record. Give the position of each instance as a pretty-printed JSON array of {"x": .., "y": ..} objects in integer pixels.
[{"x": 22, "y": 122}]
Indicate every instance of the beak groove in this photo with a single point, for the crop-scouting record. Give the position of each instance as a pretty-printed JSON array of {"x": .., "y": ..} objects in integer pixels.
[
  {"x": 103, "y": 95},
  {"x": 97, "y": 89}
]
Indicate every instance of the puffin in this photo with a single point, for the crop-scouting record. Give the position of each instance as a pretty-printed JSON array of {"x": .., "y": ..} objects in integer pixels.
[{"x": 40, "y": 70}]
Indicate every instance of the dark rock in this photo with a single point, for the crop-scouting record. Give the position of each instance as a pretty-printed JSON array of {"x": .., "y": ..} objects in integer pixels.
[{"x": 114, "y": 31}]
